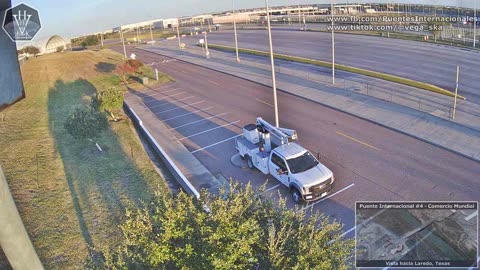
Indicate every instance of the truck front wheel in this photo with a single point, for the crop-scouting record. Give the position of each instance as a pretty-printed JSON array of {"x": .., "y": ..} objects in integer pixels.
[
  {"x": 249, "y": 162},
  {"x": 296, "y": 196}
]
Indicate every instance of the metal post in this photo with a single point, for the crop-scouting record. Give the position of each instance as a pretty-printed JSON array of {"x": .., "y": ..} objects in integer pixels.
[
  {"x": 272, "y": 61},
  {"x": 474, "y": 23},
  {"x": 178, "y": 35},
  {"x": 456, "y": 93},
  {"x": 156, "y": 74},
  {"x": 207, "y": 52},
  {"x": 333, "y": 44},
  {"x": 123, "y": 43},
  {"x": 151, "y": 33},
  {"x": 235, "y": 30},
  {"x": 101, "y": 38}
]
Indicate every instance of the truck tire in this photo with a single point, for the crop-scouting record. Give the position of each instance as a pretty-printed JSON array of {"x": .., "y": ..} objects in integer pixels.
[
  {"x": 249, "y": 162},
  {"x": 296, "y": 196}
]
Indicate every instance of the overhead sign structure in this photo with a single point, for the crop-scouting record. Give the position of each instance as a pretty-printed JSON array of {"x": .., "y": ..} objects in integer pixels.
[{"x": 21, "y": 23}]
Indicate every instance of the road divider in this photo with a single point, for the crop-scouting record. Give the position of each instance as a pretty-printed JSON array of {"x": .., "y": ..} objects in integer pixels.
[{"x": 361, "y": 71}]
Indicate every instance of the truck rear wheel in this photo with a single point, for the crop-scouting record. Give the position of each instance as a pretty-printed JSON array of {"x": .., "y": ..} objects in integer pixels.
[
  {"x": 296, "y": 196},
  {"x": 249, "y": 162}
]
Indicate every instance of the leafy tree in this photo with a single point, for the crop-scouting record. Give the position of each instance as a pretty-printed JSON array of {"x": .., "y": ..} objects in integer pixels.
[
  {"x": 110, "y": 101},
  {"x": 60, "y": 49},
  {"x": 124, "y": 72},
  {"x": 84, "y": 123},
  {"x": 136, "y": 64},
  {"x": 31, "y": 50},
  {"x": 90, "y": 41},
  {"x": 240, "y": 231}
]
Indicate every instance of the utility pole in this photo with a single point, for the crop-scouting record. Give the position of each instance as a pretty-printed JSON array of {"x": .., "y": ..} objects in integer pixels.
[
  {"x": 101, "y": 38},
  {"x": 151, "y": 33},
  {"x": 235, "y": 30},
  {"x": 272, "y": 61},
  {"x": 123, "y": 43},
  {"x": 456, "y": 93},
  {"x": 333, "y": 44}
]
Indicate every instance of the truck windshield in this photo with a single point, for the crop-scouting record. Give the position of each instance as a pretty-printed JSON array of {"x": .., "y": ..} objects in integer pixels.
[{"x": 302, "y": 163}]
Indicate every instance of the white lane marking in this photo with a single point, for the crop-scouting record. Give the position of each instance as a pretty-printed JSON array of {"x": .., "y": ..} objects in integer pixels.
[
  {"x": 167, "y": 96},
  {"x": 328, "y": 197},
  {"x": 163, "y": 93},
  {"x": 269, "y": 189},
  {"x": 208, "y": 130},
  {"x": 212, "y": 82},
  {"x": 198, "y": 121},
  {"x": 167, "y": 103},
  {"x": 201, "y": 110},
  {"x": 160, "y": 88},
  {"x": 478, "y": 261},
  {"x": 212, "y": 145},
  {"x": 180, "y": 107}
]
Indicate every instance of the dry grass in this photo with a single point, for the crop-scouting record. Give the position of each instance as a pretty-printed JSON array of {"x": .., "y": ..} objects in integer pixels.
[{"x": 69, "y": 195}]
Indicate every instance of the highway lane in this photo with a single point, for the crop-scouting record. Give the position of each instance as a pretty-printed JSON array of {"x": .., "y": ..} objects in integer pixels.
[
  {"x": 370, "y": 162},
  {"x": 435, "y": 64}
]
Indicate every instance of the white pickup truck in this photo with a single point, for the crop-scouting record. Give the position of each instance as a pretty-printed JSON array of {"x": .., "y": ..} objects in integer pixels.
[{"x": 273, "y": 151}]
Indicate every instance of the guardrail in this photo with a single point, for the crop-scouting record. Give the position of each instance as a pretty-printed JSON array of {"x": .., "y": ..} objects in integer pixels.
[{"x": 176, "y": 172}]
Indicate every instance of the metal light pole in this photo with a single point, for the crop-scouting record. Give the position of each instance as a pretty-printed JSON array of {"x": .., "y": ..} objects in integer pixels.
[
  {"x": 151, "y": 33},
  {"x": 123, "y": 43},
  {"x": 474, "y": 23},
  {"x": 456, "y": 93},
  {"x": 235, "y": 30},
  {"x": 272, "y": 61},
  {"x": 178, "y": 35},
  {"x": 207, "y": 52},
  {"x": 333, "y": 44},
  {"x": 101, "y": 38}
]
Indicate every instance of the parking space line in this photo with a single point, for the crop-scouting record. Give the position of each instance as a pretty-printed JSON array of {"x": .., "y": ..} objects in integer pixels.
[
  {"x": 167, "y": 96},
  {"x": 269, "y": 189},
  {"x": 212, "y": 82},
  {"x": 229, "y": 124},
  {"x": 160, "y": 88},
  {"x": 328, "y": 197},
  {"x": 180, "y": 107},
  {"x": 263, "y": 102},
  {"x": 358, "y": 141},
  {"x": 212, "y": 145},
  {"x": 201, "y": 110},
  {"x": 194, "y": 122},
  {"x": 164, "y": 93},
  {"x": 167, "y": 103}
]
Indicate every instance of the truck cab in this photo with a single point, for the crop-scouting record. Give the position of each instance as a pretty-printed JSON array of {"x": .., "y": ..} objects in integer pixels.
[
  {"x": 296, "y": 168},
  {"x": 273, "y": 150}
]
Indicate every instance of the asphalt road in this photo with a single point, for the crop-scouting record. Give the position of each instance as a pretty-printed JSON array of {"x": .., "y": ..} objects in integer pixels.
[
  {"x": 435, "y": 64},
  {"x": 207, "y": 109}
]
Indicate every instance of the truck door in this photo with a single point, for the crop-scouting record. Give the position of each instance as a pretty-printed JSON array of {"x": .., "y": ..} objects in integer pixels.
[{"x": 278, "y": 169}]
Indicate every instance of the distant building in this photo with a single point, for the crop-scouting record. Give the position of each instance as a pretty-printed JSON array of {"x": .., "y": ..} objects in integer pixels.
[{"x": 51, "y": 44}]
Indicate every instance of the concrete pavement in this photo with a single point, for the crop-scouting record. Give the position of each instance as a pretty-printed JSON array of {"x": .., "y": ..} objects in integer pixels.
[{"x": 462, "y": 140}]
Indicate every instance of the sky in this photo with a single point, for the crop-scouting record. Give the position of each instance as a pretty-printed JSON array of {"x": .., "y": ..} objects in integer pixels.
[{"x": 70, "y": 18}]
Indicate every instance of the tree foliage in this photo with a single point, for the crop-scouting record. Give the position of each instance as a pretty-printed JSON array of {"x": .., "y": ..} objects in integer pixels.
[
  {"x": 135, "y": 63},
  {"x": 91, "y": 40},
  {"x": 85, "y": 123},
  {"x": 124, "y": 72},
  {"x": 30, "y": 50},
  {"x": 241, "y": 231},
  {"x": 109, "y": 100}
]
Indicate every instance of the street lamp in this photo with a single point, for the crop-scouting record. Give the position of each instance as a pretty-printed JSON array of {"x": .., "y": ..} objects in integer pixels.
[
  {"x": 235, "y": 30},
  {"x": 474, "y": 23},
  {"x": 333, "y": 44},
  {"x": 272, "y": 61},
  {"x": 178, "y": 34},
  {"x": 207, "y": 52},
  {"x": 123, "y": 43}
]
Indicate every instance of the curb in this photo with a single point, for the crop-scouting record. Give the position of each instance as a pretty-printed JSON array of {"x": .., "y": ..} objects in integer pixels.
[
  {"x": 331, "y": 107},
  {"x": 176, "y": 172}
]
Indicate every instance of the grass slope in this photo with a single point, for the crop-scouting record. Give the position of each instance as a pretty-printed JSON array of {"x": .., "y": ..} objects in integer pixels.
[{"x": 69, "y": 195}]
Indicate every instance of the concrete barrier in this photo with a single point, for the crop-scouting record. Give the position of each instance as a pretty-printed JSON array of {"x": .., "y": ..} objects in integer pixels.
[
  {"x": 14, "y": 239},
  {"x": 176, "y": 172}
]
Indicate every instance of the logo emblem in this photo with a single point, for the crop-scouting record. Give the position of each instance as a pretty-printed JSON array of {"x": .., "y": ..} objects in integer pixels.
[{"x": 21, "y": 22}]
